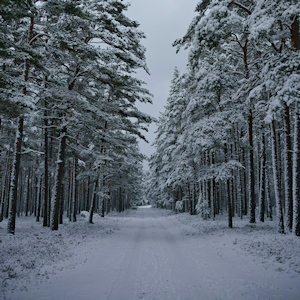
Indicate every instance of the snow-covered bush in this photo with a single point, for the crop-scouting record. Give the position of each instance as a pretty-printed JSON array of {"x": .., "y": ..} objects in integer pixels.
[
  {"x": 202, "y": 207},
  {"x": 179, "y": 206},
  {"x": 84, "y": 214}
]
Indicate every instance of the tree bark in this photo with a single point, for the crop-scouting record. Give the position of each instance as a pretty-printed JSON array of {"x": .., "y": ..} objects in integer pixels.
[
  {"x": 229, "y": 203},
  {"x": 75, "y": 188},
  {"x": 5, "y": 188},
  {"x": 93, "y": 202},
  {"x": 58, "y": 179},
  {"x": 39, "y": 199},
  {"x": 295, "y": 34},
  {"x": 262, "y": 193},
  {"x": 275, "y": 177},
  {"x": 46, "y": 172},
  {"x": 296, "y": 174},
  {"x": 61, "y": 204},
  {"x": 28, "y": 193},
  {"x": 252, "y": 200},
  {"x": 13, "y": 195},
  {"x": 288, "y": 168},
  {"x": 212, "y": 188}
]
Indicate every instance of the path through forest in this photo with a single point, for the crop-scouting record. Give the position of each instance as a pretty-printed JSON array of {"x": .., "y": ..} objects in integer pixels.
[{"x": 150, "y": 258}]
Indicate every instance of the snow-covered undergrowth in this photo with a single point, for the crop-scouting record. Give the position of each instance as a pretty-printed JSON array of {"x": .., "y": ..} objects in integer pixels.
[
  {"x": 35, "y": 252},
  {"x": 260, "y": 241}
]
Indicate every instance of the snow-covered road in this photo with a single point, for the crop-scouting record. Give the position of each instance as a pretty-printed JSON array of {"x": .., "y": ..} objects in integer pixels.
[{"x": 150, "y": 258}]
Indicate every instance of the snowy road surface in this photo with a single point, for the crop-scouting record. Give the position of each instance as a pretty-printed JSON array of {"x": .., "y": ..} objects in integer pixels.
[{"x": 149, "y": 258}]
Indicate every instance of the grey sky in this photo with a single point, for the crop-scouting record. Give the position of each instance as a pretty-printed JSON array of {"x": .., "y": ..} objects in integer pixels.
[{"x": 163, "y": 21}]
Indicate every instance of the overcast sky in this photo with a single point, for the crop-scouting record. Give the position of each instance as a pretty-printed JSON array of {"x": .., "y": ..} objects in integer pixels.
[{"x": 162, "y": 21}]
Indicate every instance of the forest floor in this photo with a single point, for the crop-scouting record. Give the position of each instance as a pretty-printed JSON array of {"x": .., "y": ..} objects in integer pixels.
[{"x": 148, "y": 254}]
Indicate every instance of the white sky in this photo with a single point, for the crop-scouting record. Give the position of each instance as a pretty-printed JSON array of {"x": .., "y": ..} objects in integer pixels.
[{"x": 162, "y": 21}]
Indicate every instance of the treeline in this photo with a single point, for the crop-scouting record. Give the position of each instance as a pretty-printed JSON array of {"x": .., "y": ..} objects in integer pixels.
[
  {"x": 228, "y": 140},
  {"x": 69, "y": 124}
]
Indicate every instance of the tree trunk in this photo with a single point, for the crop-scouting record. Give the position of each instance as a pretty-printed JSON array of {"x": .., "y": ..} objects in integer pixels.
[
  {"x": 288, "y": 168},
  {"x": 229, "y": 204},
  {"x": 279, "y": 170},
  {"x": 75, "y": 189},
  {"x": 275, "y": 175},
  {"x": 70, "y": 191},
  {"x": 244, "y": 186},
  {"x": 252, "y": 200},
  {"x": 108, "y": 206},
  {"x": 3, "y": 190},
  {"x": 239, "y": 194},
  {"x": 5, "y": 187},
  {"x": 93, "y": 202},
  {"x": 58, "y": 179},
  {"x": 262, "y": 193},
  {"x": 28, "y": 193},
  {"x": 46, "y": 171},
  {"x": 13, "y": 195},
  {"x": 295, "y": 34},
  {"x": 268, "y": 197},
  {"x": 61, "y": 204},
  {"x": 39, "y": 199},
  {"x": 103, "y": 198},
  {"x": 212, "y": 188},
  {"x": 296, "y": 174}
]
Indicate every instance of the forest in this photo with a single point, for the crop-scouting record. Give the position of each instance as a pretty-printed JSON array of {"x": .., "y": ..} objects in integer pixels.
[
  {"x": 223, "y": 180},
  {"x": 69, "y": 122},
  {"x": 228, "y": 140}
]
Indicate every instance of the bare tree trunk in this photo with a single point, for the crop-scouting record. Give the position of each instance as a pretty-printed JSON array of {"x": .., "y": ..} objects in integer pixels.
[
  {"x": 262, "y": 180},
  {"x": 295, "y": 34},
  {"x": 5, "y": 187},
  {"x": 61, "y": 204},
  {"x": 75, "y": 189},
  {"x": 93, "y": 202},
  {"x": 46, "y": 171},
  {"x": 58, "y": 179},
  {"x": 288, "y": 168},
  {"x": 296, "y": 174},
  {"x": 3, "y": 190},
  {"x": 108, "y": 205},
  {"x": 39, "y": 199},
  {"x": 20, "y": 194},
  {"x": 252, "y": 199},
  {"x": 244, "y": 186},
  {"x": 275, "y": 175},
  {"x": 13, "y": 195},
  {"x": 279, "y": 170},
  {"x": 212, "y": 188},
  {"x": 239, "y": 194},
  {"x": 229, "y": 203},
  {"x": 70, "y": 191},
  {"x": 28, "y": 193}
]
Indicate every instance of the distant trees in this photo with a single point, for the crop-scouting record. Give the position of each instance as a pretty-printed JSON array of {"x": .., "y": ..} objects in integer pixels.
[
  {"x": 68, "y": 76},
  {"x": 237, "y": 117}
]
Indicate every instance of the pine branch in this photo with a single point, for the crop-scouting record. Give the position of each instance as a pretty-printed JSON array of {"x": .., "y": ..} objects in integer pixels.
[
  {"x": 240, "y": 6},
  {"x": 37, "y": 36}
]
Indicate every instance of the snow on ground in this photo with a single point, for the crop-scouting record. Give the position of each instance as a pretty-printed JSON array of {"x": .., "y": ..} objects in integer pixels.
[
  {"x": 260, "y": 240},
  {"x": 149, "y": 254},
  {"x": 36, "y": 253}
]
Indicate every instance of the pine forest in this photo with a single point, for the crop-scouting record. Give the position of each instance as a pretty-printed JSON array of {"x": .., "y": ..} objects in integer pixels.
[
  {"x": 69, "y": 124},
  {"x": 228, "y": 139},
  {"x": 86, "y": 212}
]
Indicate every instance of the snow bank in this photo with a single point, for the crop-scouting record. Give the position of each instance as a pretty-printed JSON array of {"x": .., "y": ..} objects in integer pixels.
[{"x": 261, "y": 240}]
